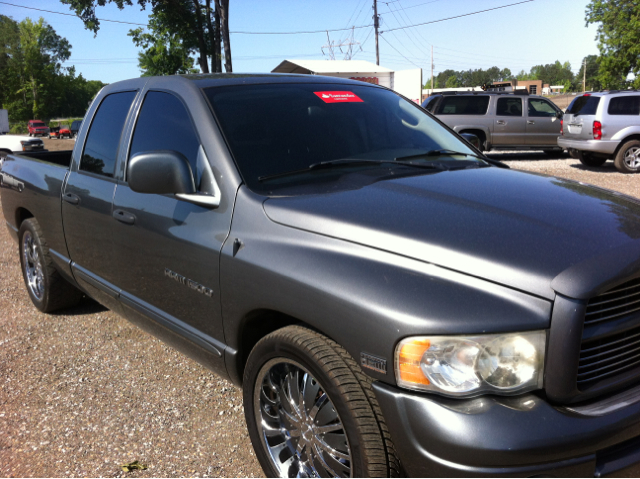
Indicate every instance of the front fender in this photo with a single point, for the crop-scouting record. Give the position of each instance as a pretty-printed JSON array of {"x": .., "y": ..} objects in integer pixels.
[{"x": 363, "y": 298}]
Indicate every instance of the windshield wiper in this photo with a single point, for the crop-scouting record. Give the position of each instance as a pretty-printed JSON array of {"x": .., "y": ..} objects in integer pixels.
[
  {"x": 348, "y": 162},
  {"x": 446, "y": 152}
]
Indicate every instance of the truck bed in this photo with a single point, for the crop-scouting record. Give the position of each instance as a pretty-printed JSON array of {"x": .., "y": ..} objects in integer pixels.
[
  {"x": 31, "y": 185},
  {"x": 60, "y": 158}
]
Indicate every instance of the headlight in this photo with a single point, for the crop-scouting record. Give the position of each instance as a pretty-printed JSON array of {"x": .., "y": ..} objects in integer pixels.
[{"x": 467, "y": 365}]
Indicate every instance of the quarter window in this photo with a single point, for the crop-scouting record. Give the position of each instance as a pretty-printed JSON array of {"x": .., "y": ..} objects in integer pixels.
[
  {"x": 541, "y": 108},
  {"x": 164, "y": 124},
  {"x": 624, "y": 105},
  {"x": 463, "y": 105},
  {"x": 101, "y": 148},
  {"x": 509, "y": 107}
]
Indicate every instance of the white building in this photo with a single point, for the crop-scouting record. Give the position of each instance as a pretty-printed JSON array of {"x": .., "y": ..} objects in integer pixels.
[{"x": 406, "y": 82}]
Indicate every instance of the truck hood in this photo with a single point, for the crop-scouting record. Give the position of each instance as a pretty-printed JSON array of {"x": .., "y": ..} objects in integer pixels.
[{"x": 529, "y": 232}]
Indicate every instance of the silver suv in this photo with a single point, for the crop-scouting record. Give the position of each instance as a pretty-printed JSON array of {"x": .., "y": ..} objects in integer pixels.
[
  {"x": 604, "y": 125},
  {"x": 502, "y": 120}
]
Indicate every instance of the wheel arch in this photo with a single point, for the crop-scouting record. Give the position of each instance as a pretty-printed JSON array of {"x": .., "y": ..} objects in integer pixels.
[
  {"x": 21, "y": 215},
  {"x": 254, "y": 326},
  {"x": 635, "y": 136},
  {"x": 481, "y": 134}
]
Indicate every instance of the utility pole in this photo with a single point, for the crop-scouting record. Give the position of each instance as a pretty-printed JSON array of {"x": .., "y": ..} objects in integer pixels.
[
  {"x": 432, "y": 69},
  {"x": 376, "y": 24},
  {"x": 584, "y": 76}
]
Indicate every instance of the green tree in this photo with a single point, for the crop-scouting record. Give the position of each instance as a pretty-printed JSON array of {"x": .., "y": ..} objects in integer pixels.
[
  {"x": 618, "y": 38},
  {"x": 200, "y": 27},
  {"x": 593, "y": 74},
  {"x": 165, "y": 53},
  {"x": 452, "y": 82},
  {"x": 33, "y": 83}
]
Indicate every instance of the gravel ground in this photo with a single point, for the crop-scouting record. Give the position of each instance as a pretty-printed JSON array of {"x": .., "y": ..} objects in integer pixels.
[{"x": 84, "y": 391}]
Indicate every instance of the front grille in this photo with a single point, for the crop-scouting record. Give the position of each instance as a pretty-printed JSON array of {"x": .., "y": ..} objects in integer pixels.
[
  {"x": 609, "y": 356},
  {"x": 618, "y": 302}
]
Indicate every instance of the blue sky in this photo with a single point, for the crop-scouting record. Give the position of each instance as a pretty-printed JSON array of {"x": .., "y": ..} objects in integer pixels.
[{"x": 516, "y": 37}]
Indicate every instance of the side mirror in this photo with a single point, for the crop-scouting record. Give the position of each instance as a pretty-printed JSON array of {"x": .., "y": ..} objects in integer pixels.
[
  {"x": 559, "y": 115},
  {"x": 471, "y": 138},
  {"x": 160, "y": 172}
]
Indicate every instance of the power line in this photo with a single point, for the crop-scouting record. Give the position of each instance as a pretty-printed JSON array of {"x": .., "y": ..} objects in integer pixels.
[
  {"x": 71, "y": 14},
  {"x": 412, "y": 6},
  {"x": 460, "y": 16},
  {"x": 238, "y": 32},
  {"x": 399, "y": 52}
]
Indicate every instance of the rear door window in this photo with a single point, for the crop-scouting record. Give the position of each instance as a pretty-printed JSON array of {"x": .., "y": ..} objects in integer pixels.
[
  {"x": 101, "y": 148},
  {"x": 584, "y": 105},
  {"x": 509, "y": 107},
  {"x": 624, "y": 105},
  {"x": 463, "y": 105}
]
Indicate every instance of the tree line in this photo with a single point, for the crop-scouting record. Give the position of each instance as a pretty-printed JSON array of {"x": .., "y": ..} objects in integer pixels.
[
  {"x": 33, "y": 82},
  {"x": 554, "y": 74}
]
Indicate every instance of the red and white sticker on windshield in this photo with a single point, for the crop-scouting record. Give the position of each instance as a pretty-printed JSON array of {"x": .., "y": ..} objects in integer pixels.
[{"x": 338, "y": 97}]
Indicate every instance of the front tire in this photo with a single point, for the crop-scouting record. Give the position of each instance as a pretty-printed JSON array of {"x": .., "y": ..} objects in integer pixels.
[
  {"x": 47, "y": 289},
  {"x": 628, "y": 158},
  {"x": 311, "y": 411}
]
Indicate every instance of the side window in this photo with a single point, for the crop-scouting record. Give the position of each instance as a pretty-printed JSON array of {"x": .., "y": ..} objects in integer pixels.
[
  {"x": 101, "y": 147},
  {"x": 164, "y": 124},
  {"x": 463, "y": 105},
  {"x": 624, "y": 105},
  {"x": 541, "y": 108},
  {"x": 509, "y": 107}
]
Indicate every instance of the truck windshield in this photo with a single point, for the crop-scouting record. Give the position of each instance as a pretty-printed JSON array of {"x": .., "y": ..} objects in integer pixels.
[
  {"x": 37, "y": 123},
  {"x": 273, "y": 129}
]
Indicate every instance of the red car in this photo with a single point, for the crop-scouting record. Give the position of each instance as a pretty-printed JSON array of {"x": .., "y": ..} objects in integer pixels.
[
  {"x": 60, "y": 132},
  {"x": 37, "y": 127}
]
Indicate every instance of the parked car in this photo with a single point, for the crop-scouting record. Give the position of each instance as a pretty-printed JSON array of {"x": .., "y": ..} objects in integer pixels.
[
  {"x": 501, "y": 120},
  {"x": 16, "y": 144},
  {"x": 604, "y": 125},
  {"x": 390, "y": 301},
  {"x": 60, "y": 132},
  {"x": 75, "y": 127},
  {"x": 37, "y": 128}
]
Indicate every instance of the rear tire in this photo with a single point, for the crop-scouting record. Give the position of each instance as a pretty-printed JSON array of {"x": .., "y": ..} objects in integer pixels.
[
  {"x": 304, "y": 396},
  {"x": 589, "y": 160},
  {"x": 47, "y": 289},
  {"x": 628, "y": 158}
]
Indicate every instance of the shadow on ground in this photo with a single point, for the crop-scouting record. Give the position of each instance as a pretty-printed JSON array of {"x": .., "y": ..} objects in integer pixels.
[
  {"x": 85, "y": 306},
  {"x": 608, "y": 167},
  {"x": 525, "y": 155}
]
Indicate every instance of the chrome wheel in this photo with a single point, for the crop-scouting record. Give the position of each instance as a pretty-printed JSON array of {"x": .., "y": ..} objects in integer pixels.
[
  {"x": 32, "y": 266},
  {"x": 632, "y": 157},
  {"x": 300, "y": 427}
]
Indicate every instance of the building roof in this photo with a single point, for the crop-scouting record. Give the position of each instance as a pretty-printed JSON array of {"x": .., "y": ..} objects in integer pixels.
[{"x": 329, "y": 66}]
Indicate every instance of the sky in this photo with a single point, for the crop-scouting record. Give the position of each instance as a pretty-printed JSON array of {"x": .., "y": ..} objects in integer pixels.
[{"x": 516, "y": 37}]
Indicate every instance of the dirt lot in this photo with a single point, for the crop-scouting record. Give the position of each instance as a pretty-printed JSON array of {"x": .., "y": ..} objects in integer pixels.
[{"x": 84, "y": 391}]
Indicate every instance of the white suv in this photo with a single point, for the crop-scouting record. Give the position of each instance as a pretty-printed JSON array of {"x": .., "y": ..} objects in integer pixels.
[{"x": 604, "y": 125}]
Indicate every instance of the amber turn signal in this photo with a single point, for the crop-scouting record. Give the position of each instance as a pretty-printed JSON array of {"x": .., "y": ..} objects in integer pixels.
[{"x": 409, "y": 361}]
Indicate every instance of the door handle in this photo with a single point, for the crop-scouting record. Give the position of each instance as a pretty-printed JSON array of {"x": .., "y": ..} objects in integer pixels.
[
  {"x": 531, "y": 122},
  {"x": 71, "y": 198},
  {"x": 501, "y": 122},
  {"x": 124, "y": 217}
]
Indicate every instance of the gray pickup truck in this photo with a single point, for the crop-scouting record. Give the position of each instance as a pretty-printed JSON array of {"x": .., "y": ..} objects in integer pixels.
[{"x": 390, "y": 301}]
